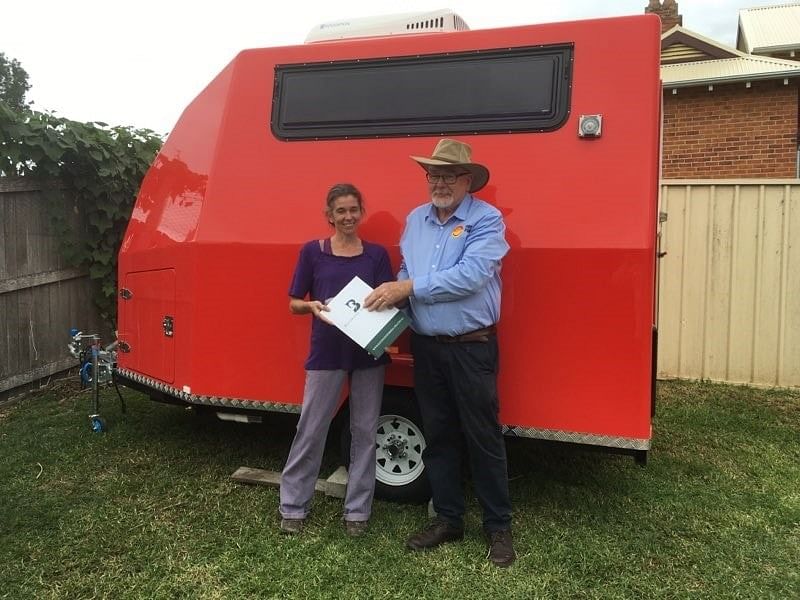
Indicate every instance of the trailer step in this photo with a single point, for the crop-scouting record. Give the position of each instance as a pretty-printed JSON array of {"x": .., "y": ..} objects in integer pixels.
[{"x": 334, "y": 485}]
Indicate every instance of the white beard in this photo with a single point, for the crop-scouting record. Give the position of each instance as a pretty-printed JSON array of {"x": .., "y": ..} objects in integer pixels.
[{"x": 442, "y": 201}]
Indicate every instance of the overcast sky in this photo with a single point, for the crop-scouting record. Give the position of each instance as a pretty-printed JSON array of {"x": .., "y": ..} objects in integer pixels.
[{"x": 140, "y": 63}]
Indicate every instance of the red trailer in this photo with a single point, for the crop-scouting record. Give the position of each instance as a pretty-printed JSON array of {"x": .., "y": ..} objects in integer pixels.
[{"x": 566, "y": 116}]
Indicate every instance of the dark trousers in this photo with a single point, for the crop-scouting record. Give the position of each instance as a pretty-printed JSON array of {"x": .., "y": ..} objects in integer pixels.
[{"x": 456, "y": 388}]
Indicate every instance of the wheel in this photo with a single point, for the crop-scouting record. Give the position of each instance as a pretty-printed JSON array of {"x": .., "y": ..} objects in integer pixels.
[
  {"x": 86, "y": 374},
  {"x": 97, "y": 423},
  {"x": 399, "y": 442}
]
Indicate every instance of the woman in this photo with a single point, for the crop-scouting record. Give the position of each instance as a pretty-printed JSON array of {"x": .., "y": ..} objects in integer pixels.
[{"x": 323, "y": 269}]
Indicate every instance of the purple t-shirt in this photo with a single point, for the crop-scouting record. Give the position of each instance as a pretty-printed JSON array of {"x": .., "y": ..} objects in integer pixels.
[{"x": 322, "y": 275}]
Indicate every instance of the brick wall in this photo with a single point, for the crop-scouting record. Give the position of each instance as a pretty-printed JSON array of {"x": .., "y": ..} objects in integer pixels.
[{"x": 732, "y": 131}]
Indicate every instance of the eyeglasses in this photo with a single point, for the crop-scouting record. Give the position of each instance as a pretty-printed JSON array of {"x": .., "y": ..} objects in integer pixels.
[{"x": 448, "y": 178}]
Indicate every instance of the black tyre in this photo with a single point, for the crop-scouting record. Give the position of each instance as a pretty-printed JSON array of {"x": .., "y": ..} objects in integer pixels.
[{"x": 399, "y": 471}]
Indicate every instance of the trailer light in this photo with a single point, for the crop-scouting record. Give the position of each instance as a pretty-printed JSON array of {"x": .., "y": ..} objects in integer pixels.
[{"x": 590, "y": 126}]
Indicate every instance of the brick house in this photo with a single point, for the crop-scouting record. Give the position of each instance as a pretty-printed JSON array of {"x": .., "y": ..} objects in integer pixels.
[{"x": 727, "y": 113}]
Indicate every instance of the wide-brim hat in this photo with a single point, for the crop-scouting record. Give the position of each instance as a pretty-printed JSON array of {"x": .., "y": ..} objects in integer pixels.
[{"x": 452, "y": 153}]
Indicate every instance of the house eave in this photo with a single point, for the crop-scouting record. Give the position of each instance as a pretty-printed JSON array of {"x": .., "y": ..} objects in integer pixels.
[
  {"x": 731, "y": 79},
  {"x": 776, "y": 48}
]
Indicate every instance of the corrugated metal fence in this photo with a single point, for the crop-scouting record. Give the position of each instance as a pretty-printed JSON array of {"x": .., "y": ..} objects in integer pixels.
[
  {"x": 729, "y": 290},
  {"x": 40, "y": 296}
]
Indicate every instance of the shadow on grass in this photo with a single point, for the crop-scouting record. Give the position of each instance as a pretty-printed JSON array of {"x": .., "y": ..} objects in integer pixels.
[{"x": 223, "y": 443}]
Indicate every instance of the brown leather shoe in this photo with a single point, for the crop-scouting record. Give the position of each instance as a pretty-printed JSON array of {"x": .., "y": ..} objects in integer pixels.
[
  {"x": 435, "y": 533},
  {"x": 501, "y": 548},
  {"x": 355, "y": 528},
  {"x": 292, "y": 526}
]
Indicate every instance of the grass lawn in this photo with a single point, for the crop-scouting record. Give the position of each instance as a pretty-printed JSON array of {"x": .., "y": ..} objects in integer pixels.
[{"x": 148, "y": 510}]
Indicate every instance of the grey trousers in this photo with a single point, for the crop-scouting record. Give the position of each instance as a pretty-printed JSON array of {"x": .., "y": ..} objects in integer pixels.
[{"x": 320, "y": 400}]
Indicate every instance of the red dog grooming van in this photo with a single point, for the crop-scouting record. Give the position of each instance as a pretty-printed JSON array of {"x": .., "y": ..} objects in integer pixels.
[{"x": 567, "y": 118}]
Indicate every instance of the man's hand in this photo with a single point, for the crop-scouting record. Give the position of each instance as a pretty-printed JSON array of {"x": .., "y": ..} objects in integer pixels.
[{"x": 389, "y": 294}]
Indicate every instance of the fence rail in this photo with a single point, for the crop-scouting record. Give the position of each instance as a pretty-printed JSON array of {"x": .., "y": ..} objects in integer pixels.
[{"x": 729, "y": 288}]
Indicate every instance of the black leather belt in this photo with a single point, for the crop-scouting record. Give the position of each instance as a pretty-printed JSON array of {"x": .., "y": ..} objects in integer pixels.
[{"x": 479, "y": 335}]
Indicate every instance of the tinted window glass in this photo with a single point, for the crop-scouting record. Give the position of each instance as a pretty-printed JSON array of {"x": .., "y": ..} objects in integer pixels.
[{"x": 522, "y": 89}]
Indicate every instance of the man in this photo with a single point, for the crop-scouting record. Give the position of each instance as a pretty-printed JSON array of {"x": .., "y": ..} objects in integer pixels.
[{"x": 452, "y": 248}]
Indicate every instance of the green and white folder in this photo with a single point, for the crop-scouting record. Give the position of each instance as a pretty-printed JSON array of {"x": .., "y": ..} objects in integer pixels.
[{"x": 372, "y": 330}]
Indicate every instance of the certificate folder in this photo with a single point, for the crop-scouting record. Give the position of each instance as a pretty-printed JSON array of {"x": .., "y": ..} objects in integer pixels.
[{"x": 372, "y": 330}]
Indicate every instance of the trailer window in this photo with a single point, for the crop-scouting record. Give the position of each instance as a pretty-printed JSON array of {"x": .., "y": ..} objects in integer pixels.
[{"x": 515, "y": 90}]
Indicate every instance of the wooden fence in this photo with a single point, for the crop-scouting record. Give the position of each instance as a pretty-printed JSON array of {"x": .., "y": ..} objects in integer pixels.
[{"x": 41, "y": 297}]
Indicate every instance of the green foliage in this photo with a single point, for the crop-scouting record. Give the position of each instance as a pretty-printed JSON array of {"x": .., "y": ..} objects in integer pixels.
[
  {"x": 102, "y": 167},
  {"x": 13, "y": 83}
]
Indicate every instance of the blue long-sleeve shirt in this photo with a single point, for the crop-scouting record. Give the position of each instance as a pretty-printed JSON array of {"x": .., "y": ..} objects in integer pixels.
[{"x": 455, "y": 267}]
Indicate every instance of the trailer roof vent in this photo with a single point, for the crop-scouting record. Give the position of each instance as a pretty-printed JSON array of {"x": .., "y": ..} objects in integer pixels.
[{"x": 437, "y": 21}]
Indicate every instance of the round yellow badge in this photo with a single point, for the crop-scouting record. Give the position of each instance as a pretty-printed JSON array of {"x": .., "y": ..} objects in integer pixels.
[{"x": 458, "y": 231}]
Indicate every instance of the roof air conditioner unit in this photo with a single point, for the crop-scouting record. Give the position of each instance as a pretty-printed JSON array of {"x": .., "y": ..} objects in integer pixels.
[{"x": 437, "y": 21}]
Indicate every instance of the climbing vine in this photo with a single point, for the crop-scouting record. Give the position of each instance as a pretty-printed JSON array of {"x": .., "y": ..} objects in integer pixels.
[{"x": 101, "y": 166}]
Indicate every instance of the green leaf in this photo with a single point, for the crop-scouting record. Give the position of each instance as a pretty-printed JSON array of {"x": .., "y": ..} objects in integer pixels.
[
  {"x": 53, "y": 152},
  {"x": 109, "y": 289},
  {"x": 102, "y": 256},
  {"x": 100, "y": 220},
  {"x": 99, "y": 271}
]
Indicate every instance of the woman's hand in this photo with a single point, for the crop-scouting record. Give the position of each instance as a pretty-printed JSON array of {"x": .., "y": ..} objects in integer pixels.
[
  {"x": 318, "y": 309},
  {"x": 298, "y": 306}
]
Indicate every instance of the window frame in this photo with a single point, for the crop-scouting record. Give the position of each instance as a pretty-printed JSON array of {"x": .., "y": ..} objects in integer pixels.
[{"x": 561, "y": 55}]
